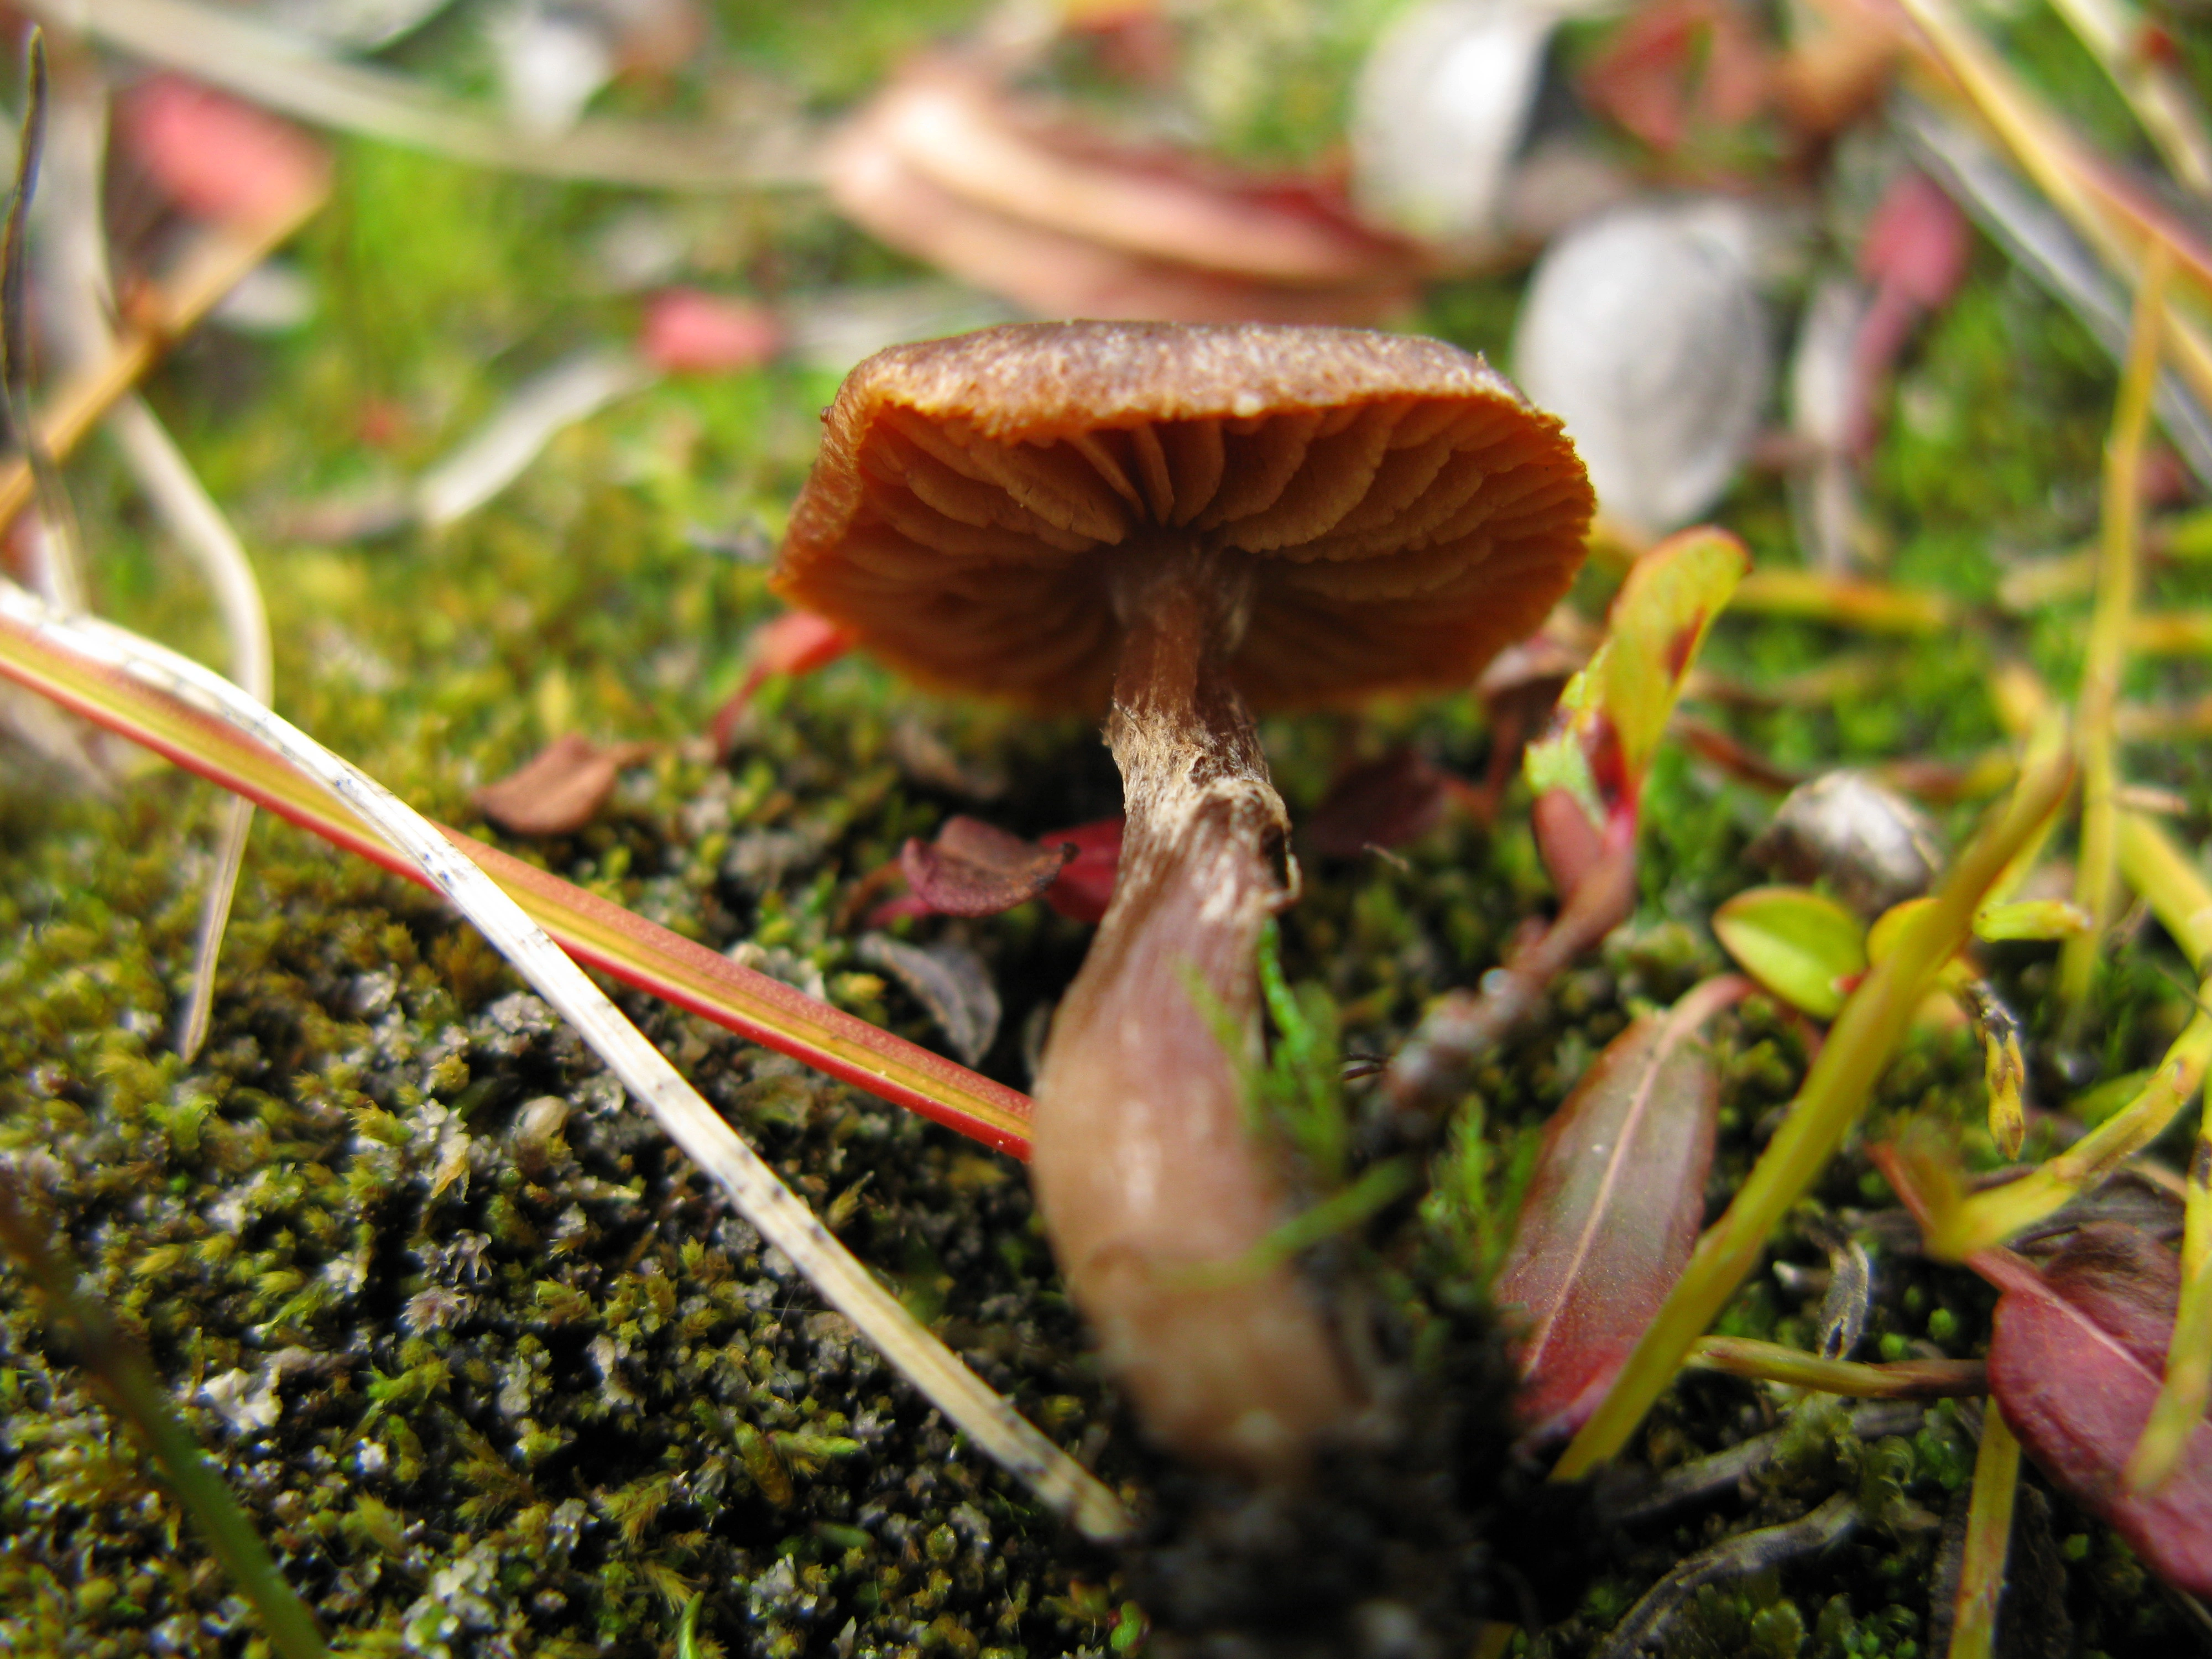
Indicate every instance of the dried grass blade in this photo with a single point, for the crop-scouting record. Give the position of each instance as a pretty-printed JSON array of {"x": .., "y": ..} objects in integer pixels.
[
  {"x": 1903, "y": 1379},
  {"x": 215, "y": 265},
  {"x": 2107, "y": 659},
  {"x": 754, "y": 1190},
  {"x": 598, "y": 933},
  {"x": 2041, "y": 143},
  {"x": 271, "y": 68},
  {"x": 2164, "y": 104}
]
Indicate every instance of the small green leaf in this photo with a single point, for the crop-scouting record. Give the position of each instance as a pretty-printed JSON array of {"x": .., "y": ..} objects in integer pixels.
[
  {"x": 1612, "y": 714},
  {"x": 1658, "y": 622},
  {"x": 1801, "y": 945}
]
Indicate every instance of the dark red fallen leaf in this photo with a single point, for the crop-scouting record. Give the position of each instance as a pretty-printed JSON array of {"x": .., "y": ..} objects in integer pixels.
[
  {"x": 977, "y": 869},
  {"x": 689, "y": 332},
  {"x": 1613, "y": 1211},
  {"x": 560, "y": 789},
  {"x": 1085, "y": 887},
  {"x": 217, "y": 158},
  {"x": 1386, "y": 802},
  {"x": 2076, "y": 1355}
]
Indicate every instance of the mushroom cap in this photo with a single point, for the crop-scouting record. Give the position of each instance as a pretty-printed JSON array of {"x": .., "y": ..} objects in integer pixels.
[{"x": 1403, "y": 511}]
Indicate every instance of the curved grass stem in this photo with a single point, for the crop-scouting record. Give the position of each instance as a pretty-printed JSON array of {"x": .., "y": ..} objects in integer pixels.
[
  {"x": 780, "y": 1218},
  {"x": 2095, "y": 872}
]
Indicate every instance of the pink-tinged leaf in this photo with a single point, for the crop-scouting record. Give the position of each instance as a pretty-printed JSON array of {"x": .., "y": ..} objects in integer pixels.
[
  {"x": 1612, "y": 1212},
  {"x": 945, "y": 165},
  {"x": 1612, "y": 714},
  {"x": 1386, "y": 802},
  {"x": 1085, "y": 887},
  {"x": 560, "y": 789},
  {"x": 2076, "y": 1355},
  {"x": 217, "y": 158},
  {"x": 977, "y": 869},
  {"x": 1918, "y": 241},
  {"x": 797, "y": 642},
  {"x": 1674, "y": 69},
  {"x": 688, "y": 331},
  {"x": 1915, "y": 253}
]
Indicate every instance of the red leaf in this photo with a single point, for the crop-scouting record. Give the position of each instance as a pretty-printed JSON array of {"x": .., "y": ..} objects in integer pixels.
[
  {"x": 1614, "y": 1210},
  {"x": 797, "y": 642},
  {"x": 688, "y": 331},
  {"x": 217, "y": 158},
  {"x": 977, "y": 869},
  {"x": 1383, "y": 803},
  {"x": 2076, "y": 1355},
  {"x": 1085, "y": 887},
  {"x": 1917, "y": 241},
  {"x": 559, "y": 790}
]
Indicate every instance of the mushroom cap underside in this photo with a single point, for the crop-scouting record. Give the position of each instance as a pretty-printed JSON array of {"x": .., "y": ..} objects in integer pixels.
[{"x": 1404, "y": 513}]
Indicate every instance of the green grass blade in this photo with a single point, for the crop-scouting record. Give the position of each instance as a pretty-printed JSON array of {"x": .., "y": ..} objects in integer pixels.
[
  {"x": 1858, "y": 1048},
  {"x": 139, "y": 1399},
  {"x": 1989, "y": 1539}
]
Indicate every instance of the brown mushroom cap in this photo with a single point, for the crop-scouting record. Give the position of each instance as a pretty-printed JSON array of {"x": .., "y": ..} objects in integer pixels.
[{"x": 1406, "y": 514}]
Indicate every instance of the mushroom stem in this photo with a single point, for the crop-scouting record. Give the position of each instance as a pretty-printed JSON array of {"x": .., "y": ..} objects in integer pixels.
[{"x": 1148, "y": 1178}]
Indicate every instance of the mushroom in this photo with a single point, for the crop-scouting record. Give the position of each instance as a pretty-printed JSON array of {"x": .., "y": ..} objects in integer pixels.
[{"x": 1185, "y": 523}]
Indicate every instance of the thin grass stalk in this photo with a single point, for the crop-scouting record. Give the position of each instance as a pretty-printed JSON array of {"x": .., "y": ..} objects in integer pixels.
[
  {"x": 595, "y": 931},
  {"x": 2164, "y": 106},
  {"x": 2040, "y": 145},
  {"x": 758, "y": 1194},
  {"x": 1904, "y": 1379},
  {"x": 142, "y": 1402},
  {"x": 2094, "y": 883},
  {"x": 77, "y": 157},
  {"x": 1858, "y": 1048},
  {"x": 2180, "y": 898},
  {"x": 216, "y": 263},
  {"x": 1989, "y": 1539}
]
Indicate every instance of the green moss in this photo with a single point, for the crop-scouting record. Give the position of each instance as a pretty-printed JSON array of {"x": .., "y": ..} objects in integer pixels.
[{"x": 489, "y": 1386}]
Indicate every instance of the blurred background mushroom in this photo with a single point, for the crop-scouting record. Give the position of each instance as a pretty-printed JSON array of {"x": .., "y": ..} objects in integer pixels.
[{"x": 1644, "y": 331}]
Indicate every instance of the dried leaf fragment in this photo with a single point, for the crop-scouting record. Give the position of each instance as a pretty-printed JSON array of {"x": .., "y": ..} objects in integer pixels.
[
  {"x": 976, "y": 869},
  {"x": 944, "y": 165},
  {"x": 1386, "y": 802},
  {"x": 950, "y": 981},
  {"x": 561, "y": 788},
  {"x": 216, "y": 157}
]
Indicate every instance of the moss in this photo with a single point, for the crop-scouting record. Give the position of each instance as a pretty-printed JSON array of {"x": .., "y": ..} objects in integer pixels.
[{"x": 499, "y": 1377}]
